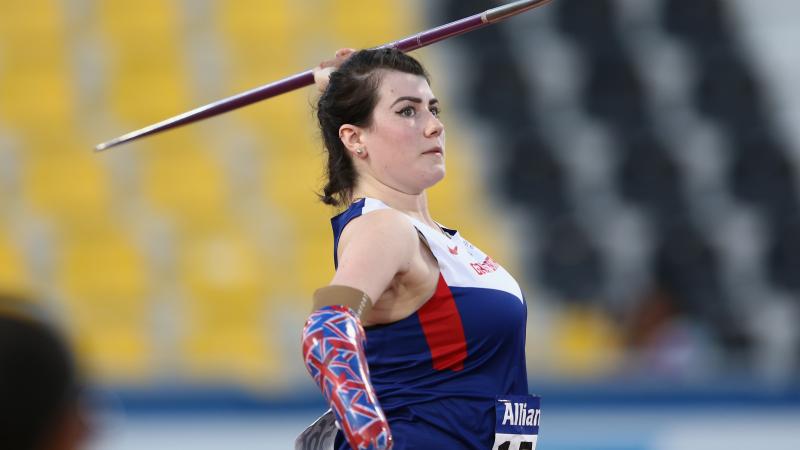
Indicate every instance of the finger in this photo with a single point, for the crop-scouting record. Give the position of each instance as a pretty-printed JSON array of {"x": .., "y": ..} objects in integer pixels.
[{"x": 342, "y": 52}]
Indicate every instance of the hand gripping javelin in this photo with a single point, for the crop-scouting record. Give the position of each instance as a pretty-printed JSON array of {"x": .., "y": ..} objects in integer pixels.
[{"x": 306, "y": 78}]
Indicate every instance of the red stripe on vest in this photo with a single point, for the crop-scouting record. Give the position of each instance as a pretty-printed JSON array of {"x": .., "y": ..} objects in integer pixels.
[{"x": 441, "y": 324}]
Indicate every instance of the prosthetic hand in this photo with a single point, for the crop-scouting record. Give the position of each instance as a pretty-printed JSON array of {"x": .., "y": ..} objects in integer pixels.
[{"x": 333, "y": 351}]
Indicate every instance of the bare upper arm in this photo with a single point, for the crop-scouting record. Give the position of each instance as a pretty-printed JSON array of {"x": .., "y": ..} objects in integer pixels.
[{"x": 373, "y": 249}]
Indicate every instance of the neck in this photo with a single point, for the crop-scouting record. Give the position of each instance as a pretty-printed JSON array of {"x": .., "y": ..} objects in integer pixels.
[{"x": 415, "y": 205}]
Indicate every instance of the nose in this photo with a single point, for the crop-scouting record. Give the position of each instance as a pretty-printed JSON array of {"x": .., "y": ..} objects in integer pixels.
[{"x": 435, "y": 127}]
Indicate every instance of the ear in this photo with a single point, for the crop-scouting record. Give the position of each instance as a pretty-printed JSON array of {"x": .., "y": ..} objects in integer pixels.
[{"x": 351, "y": 137}]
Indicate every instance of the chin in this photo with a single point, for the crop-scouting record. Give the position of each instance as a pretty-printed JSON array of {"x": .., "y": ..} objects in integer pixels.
[{"x": 434, "y": 177}]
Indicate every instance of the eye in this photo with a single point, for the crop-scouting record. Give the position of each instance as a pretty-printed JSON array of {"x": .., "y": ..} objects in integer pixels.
[
  {"x": 436, "y": 111},
  {"x": 408, "y": 111}
]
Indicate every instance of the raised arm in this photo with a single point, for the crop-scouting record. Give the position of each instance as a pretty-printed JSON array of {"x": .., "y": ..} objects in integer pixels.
[{"x": 373, "y": 249}]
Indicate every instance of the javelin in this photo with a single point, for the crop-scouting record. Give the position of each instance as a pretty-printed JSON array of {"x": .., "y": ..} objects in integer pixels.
[{"x": 306, "y": 78}]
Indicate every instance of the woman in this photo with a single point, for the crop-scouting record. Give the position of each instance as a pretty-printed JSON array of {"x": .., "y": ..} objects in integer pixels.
[{"x": 418, "y": 341}]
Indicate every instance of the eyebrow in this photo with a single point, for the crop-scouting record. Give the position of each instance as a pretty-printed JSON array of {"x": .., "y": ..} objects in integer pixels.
[{"x": 415, "y": 100}]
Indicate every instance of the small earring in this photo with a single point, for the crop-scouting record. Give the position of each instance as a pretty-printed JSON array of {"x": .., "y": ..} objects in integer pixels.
[{"x": 360, "y": 150}]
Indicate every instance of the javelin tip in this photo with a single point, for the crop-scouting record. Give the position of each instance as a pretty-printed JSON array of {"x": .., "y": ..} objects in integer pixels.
[
  {"x": 103, "y": 146},
  {"x": 113, "y": 142}
]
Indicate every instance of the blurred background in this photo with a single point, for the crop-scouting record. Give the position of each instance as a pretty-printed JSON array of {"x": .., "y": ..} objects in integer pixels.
[{"x": 634, "y": 163}]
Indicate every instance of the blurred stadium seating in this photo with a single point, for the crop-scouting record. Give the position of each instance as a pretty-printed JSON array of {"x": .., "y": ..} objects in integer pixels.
[
  {"x": 190, "y": 256},
  {"x": 626, "y": 159},
  {"x": 591, "y": 139},
  {"x": 151, "y": 230}
]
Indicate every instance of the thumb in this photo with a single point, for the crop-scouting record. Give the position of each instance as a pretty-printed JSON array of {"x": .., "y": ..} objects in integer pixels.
[{"x": 344, "y": 52}]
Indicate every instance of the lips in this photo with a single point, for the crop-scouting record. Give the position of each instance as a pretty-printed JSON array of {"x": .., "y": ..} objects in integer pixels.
[{"x": 434, "y": 151}]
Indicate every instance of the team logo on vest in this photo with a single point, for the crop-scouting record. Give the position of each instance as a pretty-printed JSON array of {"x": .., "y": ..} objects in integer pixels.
[
  {"x": 518, "y": 414},
  {"x": 487, "y": 266}
]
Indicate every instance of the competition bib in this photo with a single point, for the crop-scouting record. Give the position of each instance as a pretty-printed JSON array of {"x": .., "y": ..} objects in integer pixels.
[{"x": 517, "y": 422}]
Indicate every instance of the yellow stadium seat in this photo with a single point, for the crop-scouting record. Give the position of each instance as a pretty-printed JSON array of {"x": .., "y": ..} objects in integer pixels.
[
  {"x": 227, "y": 278},
  {"x": 226, "y": 273},
  {"x": 315, "y": 257},
  {"x": 36, "y": 98},
  {"x": 143, "y": 19},
  {"x": 35, "y": 82},
  {"x": 107, "y": 290},
  {"x": 106, "y": 266},
  {"x": 247, "y": 355},
  {"x": 255, "y": 20},
  {"x": 144, "y": 57},
  {"x": 368, "y": 23},
  {"x": 148, "y": 96},
  {"x": 255, "y": 37},
  {"x": 292, "y": 177},
  {"x": 291, "y": 181},
  {"x": 147, "y": 73},
  {"x": 66, "y": 184},
  {"x": 39, "y": 18},
  {"x": 30, "y": 53},
  {"x": 14, "y": 275},
  {"x": 183, "y": 182},
  {"x": 586, "y": 342}
]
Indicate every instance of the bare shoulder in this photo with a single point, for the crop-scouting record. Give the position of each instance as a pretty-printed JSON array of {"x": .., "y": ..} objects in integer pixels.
[
  {"x": 373, "y": 249},
  {"x": 385, "y": 229}
]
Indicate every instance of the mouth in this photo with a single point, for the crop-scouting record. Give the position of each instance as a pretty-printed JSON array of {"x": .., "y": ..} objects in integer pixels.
[{"x": 434, "y": 151}]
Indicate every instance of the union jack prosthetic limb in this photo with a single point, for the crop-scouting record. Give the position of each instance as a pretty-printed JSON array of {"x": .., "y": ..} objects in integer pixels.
[{"x": 333, "y": 350}]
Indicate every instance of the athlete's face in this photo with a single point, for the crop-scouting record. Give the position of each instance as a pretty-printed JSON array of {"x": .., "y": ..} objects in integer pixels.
[{"x": 405, "y": 143}]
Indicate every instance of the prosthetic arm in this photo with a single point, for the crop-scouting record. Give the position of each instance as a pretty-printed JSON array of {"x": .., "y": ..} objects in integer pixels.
[{"x": 333, "y": 351}]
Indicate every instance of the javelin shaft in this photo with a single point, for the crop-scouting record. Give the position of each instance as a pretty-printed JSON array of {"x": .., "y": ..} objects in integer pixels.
[{"x": 306, "y": 78}]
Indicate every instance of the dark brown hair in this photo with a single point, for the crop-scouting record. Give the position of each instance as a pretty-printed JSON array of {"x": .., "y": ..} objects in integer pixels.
[
  {"x": 350, "y": 98},
  {"x": 38, "y": 377}
]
